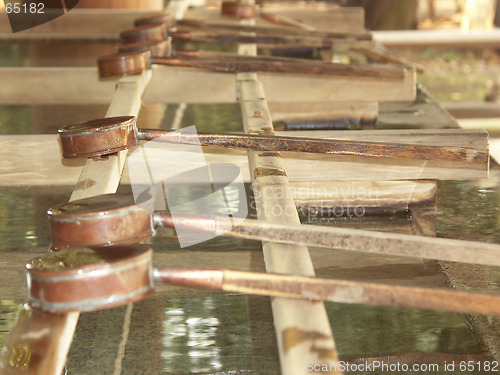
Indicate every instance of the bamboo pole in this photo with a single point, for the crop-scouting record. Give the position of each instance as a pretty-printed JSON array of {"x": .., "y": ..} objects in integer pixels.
[
  {"x": 39, "y": 342},
  {"x": 347, "y": 239},
  {"x": 334, "y": 290},
  {"x": 292, "y": 318}
]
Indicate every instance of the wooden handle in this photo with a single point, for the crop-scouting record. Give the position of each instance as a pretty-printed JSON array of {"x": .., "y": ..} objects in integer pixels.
[
  {"x": 287, "y": 21},
  {"x": 341, "y": 238},
  {"x": 272, "y": 31},
  {"x": 319, "y": 146},
  {"x": 292, "y": 66},
  {"x": 334, "y": 290}
]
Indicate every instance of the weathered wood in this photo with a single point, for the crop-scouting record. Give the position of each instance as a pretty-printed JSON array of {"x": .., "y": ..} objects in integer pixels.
[
  {"x": 200, "y": 28},
  {"x": 374, "y": 242},
  {"x": 290, "y": 316},
  {"x": 488, "y": 124},
  {"x": 335, "y": 290},
  {"x": 54, "y": 85},
  {"x": 495, "y": 149},
  {"x": 280, "y": 88},
  {"x": 86, "y": 141},
  {"x": 273, "y": 64},
  {"x": 103, "y": 176},
  {"x": 355, "y": 112},
  {"x": 277, "y": 41},
  {"x": 324, "y": 17},
  {"x": 36, "y": 159},
  {"x": 439, "y": 38},
  {"x": 189, "y": 85},
  {"x": 42, "y": 332},
  {"x": 472, "y": 109},
  {"x": 355, "y": 199},
  {"x": 350, "y": 19},
  {"x": 44, "y": 337}
]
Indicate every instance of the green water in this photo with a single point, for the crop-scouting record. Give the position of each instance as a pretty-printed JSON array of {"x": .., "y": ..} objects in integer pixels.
[
  {"x": 47, "y": 119},
  {"x": 212, "y": 332}
]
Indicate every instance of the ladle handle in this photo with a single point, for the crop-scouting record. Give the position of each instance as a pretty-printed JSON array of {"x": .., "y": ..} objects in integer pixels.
[
  {"x": 287, "y": 21},
  {"x": 256, "y": 65},
  {"x": 334, "y": 290},
  {"x": 317, "y": 145},
  {"x": 340, "y": 238}
]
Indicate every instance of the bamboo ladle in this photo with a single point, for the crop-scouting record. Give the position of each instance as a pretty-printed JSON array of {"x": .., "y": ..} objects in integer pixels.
[
  {"x": 170, "y": 23},
  {"x": 89, "y": 279},
  {"x": 117, "y": 65},
  {"x": 160, "y": 31},
  {"x": 100, "y": 137},
  {"x": 117, "y": 219}
]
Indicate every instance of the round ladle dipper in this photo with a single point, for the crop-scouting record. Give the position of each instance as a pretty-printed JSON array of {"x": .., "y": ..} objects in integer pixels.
[
  {"x": 169, "y": 22},
  {"x": 245, "y": 11},
  {"x": 165, "y": 18},
  {"x": 239, "y": 10},
  {"x": 145, "y": 32},
  {"x": 116, "y": 219},
  {"x": 101, "y": 137},
  {"x": 88, "y": 279}
]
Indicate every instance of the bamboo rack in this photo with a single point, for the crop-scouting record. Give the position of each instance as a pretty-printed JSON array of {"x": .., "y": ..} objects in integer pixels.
[{"x": 51, "y": 346}]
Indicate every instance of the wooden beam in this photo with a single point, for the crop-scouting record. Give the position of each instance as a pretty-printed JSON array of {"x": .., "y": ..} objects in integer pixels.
[
  {"x": 36, "y": 159},
  {"x": 439, "y": 38},
  {"x": 323, "y": 17},
  {"x": 360, "y": 198},
  {"x": 353, "y": 111},
  {"x": 49, "y": 346},
  {"x": 54, "y": 85},
  {"x": 292, "y": 318},
  {"x": 189, "y": 85},
  {"x": 103, "y": 176},
  {"x": 282, "y": 88}
]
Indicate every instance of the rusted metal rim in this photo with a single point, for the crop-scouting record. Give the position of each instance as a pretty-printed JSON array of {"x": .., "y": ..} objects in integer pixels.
[
  {"x": 239, "y": 10},
  {"x": 143, "y": 33},
  {"x": 104, "y": 220},
  {"x": 99, "y": 137},
  {"x": 163, "y": 18},
  {"x": 89, "y": 279},
  {"x": 162, "y": 48},
  {"x": 121, "y": 64}
]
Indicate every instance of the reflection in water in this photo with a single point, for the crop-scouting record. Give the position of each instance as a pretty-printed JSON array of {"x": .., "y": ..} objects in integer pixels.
[
  {"x": 9, "y": 310},
  {"x": 47, "y": 119},
  {"x": 205, "y": 334},
  {"x": 398, "y": 330},
  {"x": 468, "y": 209}
]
